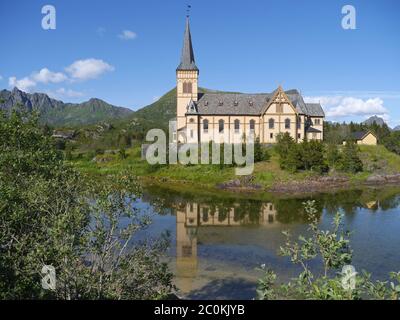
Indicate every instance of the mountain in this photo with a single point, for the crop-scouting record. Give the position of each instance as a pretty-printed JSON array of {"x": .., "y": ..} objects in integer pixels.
[
  {"x": 164, "y": 109},
  {"x": 396, "y": 128},
  {"x": 58, "y": 113},
  {"x": 370, "y": 121},
  {"x": 161, "y": 111}
]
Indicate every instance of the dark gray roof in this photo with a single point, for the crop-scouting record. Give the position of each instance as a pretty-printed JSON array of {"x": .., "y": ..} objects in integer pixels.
[
  {"x": 310, "y": 109},
  {"x": 232, "y": 103},
  {"x": 359, "y": 134},
  {"x": 311, "y": 129},
  {"x": 315, "y": 110},
  {"x": 187, "y": 56},
  {"x": 250, "y": 104}
]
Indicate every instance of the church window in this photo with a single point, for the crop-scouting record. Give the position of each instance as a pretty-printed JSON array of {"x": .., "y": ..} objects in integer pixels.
[
  {"x": 186, "y": 251},
  {"x": 252, "y": 125},
  {"x": 271, "y": 135},
  {"x": 271, "y": 123},
  {"x": 187, "y": 87},
  {"x": 221, "y": 125},
  {"x": 237, "y": 126},
  {"x": 287, "y": 123},
  {"x": 205, "y": 126}
]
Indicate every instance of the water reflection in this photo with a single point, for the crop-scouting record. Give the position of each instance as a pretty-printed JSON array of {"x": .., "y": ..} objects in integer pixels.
[
  {"x": 191, "y": 215},
  {"x": 220, "y": 241}
]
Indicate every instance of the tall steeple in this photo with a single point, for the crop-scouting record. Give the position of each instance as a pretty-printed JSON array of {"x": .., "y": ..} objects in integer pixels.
[
  {"x": 187, "y": 57},
  {"x": 187, "y": 76}
]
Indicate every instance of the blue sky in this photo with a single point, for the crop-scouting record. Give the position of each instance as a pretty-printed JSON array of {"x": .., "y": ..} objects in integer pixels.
[{"x": 126, "y": 52}]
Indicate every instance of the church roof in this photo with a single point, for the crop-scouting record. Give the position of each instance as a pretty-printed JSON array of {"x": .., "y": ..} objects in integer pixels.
[
  {"x": 187, "y": 57},
  {"x": 312, "y": 129},
  {"x": 232, "y": 103},
  {"x": 251, "y": 104}
]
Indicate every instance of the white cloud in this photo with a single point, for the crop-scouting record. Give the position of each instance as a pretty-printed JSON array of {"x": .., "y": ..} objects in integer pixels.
[
  {"x": 46, "y": 76},
  {"x": 1, "y": 77},
  {"x": 127, "y": 35},
  {"x": 350, "y": 106},
  {"x": 88, "y": 69},
  {"x": 326, "y": 101},
  {"x": 24, "y": 84},
  {"x": 341, "y": 106}
]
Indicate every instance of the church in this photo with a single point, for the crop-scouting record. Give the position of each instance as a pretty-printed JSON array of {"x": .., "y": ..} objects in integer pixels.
[{"x": 229, "y": 117}]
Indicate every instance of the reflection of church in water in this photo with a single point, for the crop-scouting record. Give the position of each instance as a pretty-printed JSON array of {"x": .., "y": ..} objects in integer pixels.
[{"x": 192, "y": 216}]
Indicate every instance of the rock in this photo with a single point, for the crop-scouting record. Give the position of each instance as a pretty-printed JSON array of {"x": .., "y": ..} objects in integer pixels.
[
  {"x": 393, "y": 177},
  {"x": 376, "y": 179}
]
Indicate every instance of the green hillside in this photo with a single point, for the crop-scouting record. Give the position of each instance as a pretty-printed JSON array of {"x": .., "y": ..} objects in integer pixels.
[
  {"x": 89, "y": 112},
  {"x": 164, "y": 109}
]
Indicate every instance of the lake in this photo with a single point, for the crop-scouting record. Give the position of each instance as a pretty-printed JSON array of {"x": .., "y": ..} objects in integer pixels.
[{"x": 217, "y": 243}]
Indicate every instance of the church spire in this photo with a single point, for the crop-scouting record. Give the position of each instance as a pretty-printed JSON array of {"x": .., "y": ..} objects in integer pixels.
[{"x": 187, "y": 56}]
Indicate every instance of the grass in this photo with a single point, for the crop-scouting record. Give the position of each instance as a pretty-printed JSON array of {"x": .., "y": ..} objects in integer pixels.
[{"x": 376, "y": 159}]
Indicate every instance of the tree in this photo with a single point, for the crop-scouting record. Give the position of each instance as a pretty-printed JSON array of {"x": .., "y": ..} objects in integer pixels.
[
  {"x": 308, "y": 155},
  {"x": 333, "y": 155},
  {"x": 293, "y": 159},
  {"x": 260, "y": 153},
  {"x": 350, "y": 160},
  {"x": 312, "y": 155},
  {"x": 286, "y": 147},
  {"x": 392, "y": 142},
  {"x": 50, "y": 215}
]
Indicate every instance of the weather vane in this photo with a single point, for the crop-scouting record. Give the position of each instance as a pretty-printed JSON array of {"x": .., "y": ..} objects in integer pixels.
[{"x": 188, "y": 10}]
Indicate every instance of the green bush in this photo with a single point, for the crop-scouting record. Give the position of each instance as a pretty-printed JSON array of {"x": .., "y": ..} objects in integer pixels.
[
  {"x": 332, "y": 249},
  {"x": 350, "y": 160},
  {"x": 50, "y": 215}
]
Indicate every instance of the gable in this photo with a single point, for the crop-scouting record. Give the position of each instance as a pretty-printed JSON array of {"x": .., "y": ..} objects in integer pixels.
[
  {"x": 279, "y": 104},
  {"x": 369, "y": 136}
]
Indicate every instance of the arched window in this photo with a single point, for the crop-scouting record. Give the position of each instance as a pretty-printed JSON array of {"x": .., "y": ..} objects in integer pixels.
[
  {"x": 187, "y": 87},
  {"x": 287, "y": 123},
  {"x": 271, "y": 123},
  {"x": 252, "y": 125},
  {"x": 205, "y": 125},
  {"x": 237, "y": 126},
  {"x": 221, "y": 125},
  {"x": 298, "y": 122}
]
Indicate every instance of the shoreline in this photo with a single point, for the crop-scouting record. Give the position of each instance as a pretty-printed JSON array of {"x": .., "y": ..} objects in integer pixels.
[{"x": 324, "y": 184}]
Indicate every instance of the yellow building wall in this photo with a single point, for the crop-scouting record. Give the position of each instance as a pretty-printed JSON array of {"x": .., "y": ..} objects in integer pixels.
[
  {"x": 195, "y": 130},
  {"x": 369, "y": 139}
]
